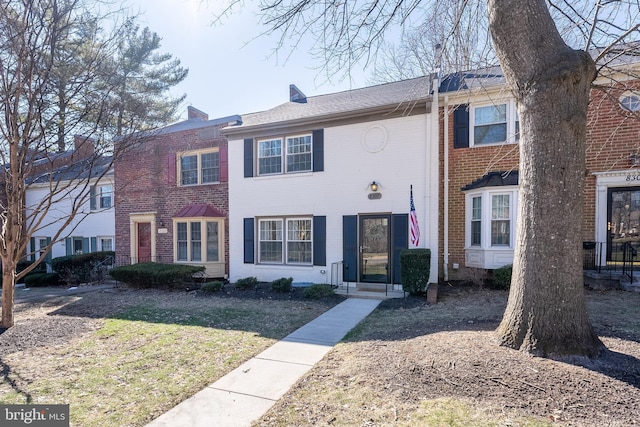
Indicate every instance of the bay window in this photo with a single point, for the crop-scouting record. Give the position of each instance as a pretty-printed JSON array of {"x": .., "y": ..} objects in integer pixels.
[
  {"x": 490, "y": 223},
  {"x": 198, "y": 240}
]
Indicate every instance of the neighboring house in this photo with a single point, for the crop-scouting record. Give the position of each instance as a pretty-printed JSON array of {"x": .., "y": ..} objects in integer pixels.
[
  {"x": 83, "y": 181},
  {"x": 480, "y": 164},
  {"x": 319, "y": 186},
  {"x": 172, "y": 195}
]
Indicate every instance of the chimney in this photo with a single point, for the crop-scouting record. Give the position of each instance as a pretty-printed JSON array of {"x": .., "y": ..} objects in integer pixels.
[
  {"x": 194, "y": 113},
  {"x": 84, "y": 145},
  {"x": 296, "y": 95}
]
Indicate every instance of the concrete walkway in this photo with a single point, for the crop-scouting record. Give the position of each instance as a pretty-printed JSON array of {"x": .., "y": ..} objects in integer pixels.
[{"x": 246, "y": 393}]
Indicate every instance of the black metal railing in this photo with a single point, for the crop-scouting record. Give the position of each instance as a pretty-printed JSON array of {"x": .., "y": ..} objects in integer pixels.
[{"x": 614, "y": 257}]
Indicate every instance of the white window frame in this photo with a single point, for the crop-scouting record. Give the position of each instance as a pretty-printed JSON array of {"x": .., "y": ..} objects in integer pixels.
[
  {"x": 285, "y": 154},
  {"x": 199, "y": 167},
  {"x": 101, "y": 243},
  {"x": 486, "y": 255},
  {"x": 512, "y": 123},
  {"x": 630, "y": 101},
  {"x": 191, "y": 257},
  {"x": 105, "y": 192},
  {"x": 486, "y": 194},
  {"x": 286, "y": 239}
]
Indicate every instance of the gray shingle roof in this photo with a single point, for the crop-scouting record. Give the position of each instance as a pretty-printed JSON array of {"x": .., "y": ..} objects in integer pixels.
[
  {"x": 81, "y": 170},
  {"x": 403, "y": 96}
]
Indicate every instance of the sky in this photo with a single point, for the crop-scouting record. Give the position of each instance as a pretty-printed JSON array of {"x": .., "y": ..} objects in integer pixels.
[{"x": 230, "y": 70}]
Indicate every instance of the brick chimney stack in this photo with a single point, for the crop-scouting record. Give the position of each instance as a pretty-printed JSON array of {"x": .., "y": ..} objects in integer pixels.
[
  {"x": 84, "y": 146},
  {"x": 194, "y": 113}
]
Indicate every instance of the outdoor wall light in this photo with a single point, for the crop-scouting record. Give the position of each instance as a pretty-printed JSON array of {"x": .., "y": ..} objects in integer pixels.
[{"x": 374, "y": 186}]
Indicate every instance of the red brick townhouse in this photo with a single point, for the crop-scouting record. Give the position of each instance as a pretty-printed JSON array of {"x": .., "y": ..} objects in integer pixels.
[
  {"x": 172, "y": 196},
  {"x": 479, "y": 162}
]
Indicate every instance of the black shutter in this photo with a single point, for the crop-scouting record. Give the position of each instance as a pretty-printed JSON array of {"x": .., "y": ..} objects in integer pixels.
[
  {"x": 461, "y": 126},
  {"x": 248, "y": 157},
  {"x": 400, "y": 241},
  {"x": 92, "y": 198},
  {"x": 249, "y": 231},
  {"x": 350, "y": 248},
  {"x": 320, "y": 240},
  {"x": 318, "y": 150}
]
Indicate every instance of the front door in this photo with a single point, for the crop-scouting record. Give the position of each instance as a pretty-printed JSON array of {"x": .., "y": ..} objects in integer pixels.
[
  {"x": 375, "y": 248},
  {"x": 623, "y": 220},
  {"x": 144, "y": 242}
]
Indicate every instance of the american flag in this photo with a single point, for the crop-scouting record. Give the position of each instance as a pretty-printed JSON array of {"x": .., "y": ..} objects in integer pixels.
[{"x": 415, "y": 229}]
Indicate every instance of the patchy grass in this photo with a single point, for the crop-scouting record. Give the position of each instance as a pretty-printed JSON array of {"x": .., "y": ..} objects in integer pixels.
[
  {"x": 413, "y": 364},
  {"x": 149, "y": 350}
]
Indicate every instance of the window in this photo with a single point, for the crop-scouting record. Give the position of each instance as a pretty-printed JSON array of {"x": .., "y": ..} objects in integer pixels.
[
  {"x": 77, "y": 247},
  {"x": 296, "y": 156},
  {"x": 199, "y": 168},
  {"x": 106, "y": 193},
  {"x": 299, "y": 154},
  {"x": 476, "y": 221},
  {"x": 106, "y": 244},
  {"x": 270, "y": 157},
  {"x": 500, "y": 220},
  {"x": 490, "y": 124},
  {"x": 198, "y": 240},
  {"x": 490, "y": 220},
  {"x": 299, "y": 241},
  {"x": 285, "y": 240},
  {"x": 101, "y": 197},
  {"x": 495, "y": 123},
  {"x": 630, "y": 102}
]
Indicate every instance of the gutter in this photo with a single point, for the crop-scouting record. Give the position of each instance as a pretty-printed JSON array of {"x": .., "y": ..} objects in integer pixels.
[{"x": 392, "y": 110}]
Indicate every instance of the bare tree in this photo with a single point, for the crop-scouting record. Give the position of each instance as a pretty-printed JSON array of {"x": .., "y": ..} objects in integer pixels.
[
  {"x": 53, "y": 86},
  {"x": 550, "y": 74},
  {"x": 453, "y": 37}
]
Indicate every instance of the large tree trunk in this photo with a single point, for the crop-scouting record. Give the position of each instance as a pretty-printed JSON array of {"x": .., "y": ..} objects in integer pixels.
[{"x": 546, "y": 314}]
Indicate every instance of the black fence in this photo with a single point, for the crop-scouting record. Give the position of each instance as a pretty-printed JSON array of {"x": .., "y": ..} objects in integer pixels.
[{"x": 613, "y": 257}]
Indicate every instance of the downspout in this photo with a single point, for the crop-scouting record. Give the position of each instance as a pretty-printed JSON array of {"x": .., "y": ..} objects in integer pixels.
[
  {"x": 445, "y": 196},
  {"x": 433, "y": 187}
]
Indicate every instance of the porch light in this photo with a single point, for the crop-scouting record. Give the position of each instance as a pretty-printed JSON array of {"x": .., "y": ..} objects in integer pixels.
[{"x": 374, "y": 186}]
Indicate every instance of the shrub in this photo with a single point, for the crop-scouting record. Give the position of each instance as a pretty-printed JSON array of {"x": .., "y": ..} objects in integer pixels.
[
  {"x": 208, "y": 287},
  {"x": 317, "y": 291},
  {"x": 81, "y": 268},
  {"x": 282, "y": 285},
  {"x": 474, "y": 276},
  {"x": 247, "y": 283},
  {"x": 155, "y": 275},
  {"x": 502, "y": 277},
  {"x": 34, "y": 280},
  {"x": 23, "y": 265},
  {"x": 415, "y": 265}
]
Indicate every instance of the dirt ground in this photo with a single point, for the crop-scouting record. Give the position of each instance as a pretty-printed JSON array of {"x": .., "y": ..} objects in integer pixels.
[
  {"x": 412, "y": 351},
  {"x": 450, "y": 350}
]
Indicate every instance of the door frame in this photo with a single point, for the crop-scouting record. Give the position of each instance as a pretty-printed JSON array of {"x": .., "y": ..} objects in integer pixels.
[
  {"x": 610, "y": 191},
  {"x": 361, "y": 261},
  {"x": 134, "y": 220}
]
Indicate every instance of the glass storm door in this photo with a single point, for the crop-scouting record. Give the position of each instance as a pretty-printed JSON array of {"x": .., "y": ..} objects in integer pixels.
[
  {"x": 623, "y": 220},
  {"x": 374, "y": 248}
]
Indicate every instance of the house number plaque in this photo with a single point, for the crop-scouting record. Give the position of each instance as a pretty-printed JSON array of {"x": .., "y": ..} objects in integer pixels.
[{"x": 375, "y": 196}]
